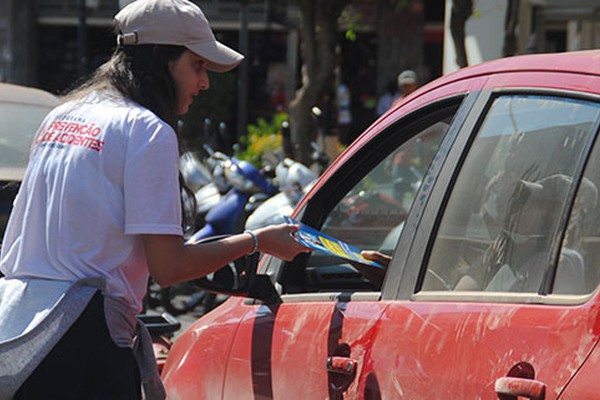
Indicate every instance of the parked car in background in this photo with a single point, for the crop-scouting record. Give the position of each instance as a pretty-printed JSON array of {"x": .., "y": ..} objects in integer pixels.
[
  {"x": 22, "y": 109},
  {"x": 482, "y": 186}
]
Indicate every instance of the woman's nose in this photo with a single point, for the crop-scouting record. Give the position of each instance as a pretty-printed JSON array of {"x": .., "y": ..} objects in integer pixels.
[{"x": 203, "y": 81}]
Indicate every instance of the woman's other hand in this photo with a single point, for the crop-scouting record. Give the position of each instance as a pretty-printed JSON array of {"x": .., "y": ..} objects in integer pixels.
[{"x": 379, "y": 258}]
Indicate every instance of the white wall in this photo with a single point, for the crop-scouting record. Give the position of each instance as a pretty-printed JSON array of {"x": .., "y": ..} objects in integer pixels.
[{"x": 484, "y": 32}]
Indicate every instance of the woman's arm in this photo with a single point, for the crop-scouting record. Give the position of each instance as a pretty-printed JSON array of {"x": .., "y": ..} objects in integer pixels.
[{"x": 170, "y": 261}]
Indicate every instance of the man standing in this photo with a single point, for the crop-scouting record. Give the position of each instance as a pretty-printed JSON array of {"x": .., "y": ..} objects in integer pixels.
[{"x": 407, "y": 83}]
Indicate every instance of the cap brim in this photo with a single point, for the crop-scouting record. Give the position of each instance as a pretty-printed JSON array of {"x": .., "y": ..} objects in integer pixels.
[{"x": 219, "y": 57}]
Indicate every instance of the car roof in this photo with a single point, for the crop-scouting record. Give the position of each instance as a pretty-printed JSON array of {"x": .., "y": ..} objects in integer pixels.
[
  {"x": 28, "y": 95},
  {"x": 581, "y": 62},
  {"x": 22, "y": 109}
]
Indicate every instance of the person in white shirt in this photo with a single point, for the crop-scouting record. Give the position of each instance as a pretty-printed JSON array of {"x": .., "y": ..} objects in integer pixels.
[{"x": 99, "y": 211}]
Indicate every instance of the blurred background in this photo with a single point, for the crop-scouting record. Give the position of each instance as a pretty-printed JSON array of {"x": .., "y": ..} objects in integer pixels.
[{"x": 299, "y": 54}]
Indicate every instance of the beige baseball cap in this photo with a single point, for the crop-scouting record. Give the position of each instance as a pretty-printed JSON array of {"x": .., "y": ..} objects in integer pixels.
[
  {"x": 174, "y": 22},
  {"x": 407, "y": 77}
]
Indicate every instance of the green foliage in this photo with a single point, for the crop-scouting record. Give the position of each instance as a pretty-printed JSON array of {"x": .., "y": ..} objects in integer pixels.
[
  {"x": 263, "y": 140},
  {"x": 352, "y": 21}
]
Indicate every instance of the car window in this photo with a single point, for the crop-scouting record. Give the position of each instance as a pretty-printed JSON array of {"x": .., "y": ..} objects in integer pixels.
[
  {"x": 504, "y": 212},
  {"x": 578, "y": 271},
  {"x": 370, "y": 215}
]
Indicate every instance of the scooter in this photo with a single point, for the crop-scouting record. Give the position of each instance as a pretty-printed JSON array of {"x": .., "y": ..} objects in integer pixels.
[
  {"x": 231, "y": 212},
  {"x": 294, "y": 180},
  {"x": 215, "y": 186}
]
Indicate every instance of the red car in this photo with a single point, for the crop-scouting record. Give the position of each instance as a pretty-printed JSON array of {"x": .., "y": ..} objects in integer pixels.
[{"x": 482, "y": 186}]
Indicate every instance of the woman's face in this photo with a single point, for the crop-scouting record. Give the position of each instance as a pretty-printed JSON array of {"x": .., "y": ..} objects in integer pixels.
[{"x": 190, "y": 75}]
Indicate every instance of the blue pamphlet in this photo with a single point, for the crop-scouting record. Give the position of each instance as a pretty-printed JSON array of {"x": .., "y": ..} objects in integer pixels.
[{"x": 319, "y": 241}]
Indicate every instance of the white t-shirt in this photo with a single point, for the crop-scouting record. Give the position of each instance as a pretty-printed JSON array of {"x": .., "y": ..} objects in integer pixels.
[{"x": 101, "y": 172}]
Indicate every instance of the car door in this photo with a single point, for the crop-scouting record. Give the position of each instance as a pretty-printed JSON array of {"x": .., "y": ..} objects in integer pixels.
[
  {"x": 315, "y": 341},
  {"x": 497, "y": 293}
]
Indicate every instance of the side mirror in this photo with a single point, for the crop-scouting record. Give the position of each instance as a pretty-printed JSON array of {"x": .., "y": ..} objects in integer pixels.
[{"x": 233, "y": 279}]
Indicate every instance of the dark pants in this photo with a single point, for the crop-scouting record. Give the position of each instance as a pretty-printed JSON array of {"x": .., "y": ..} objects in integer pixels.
[{"x": 85, "y": 364}]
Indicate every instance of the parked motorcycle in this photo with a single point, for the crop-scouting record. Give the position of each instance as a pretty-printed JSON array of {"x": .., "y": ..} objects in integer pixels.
[
  {"x": 206, "y": 179},
  {"x": 162, "y": 328},
  {"x": 294, "y": 180}
]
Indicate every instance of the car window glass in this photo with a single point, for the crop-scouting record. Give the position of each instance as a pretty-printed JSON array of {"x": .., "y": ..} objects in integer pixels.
[
  {"x": 577, "y": 271},
  {"x": 502, "y": 215},
  {"x": 378, "y": 204},
  {"x": 371, "y": 214}
]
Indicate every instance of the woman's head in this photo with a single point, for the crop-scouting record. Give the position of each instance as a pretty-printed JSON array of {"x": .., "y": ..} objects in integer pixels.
[
  {"x": 184, "y": 48},
  {"x": 174, "y": 22},
  {"x": 165, "y": 48}
]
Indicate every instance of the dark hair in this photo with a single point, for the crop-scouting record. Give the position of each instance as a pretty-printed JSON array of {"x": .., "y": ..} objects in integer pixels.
[{"x": 139, "y": 73}]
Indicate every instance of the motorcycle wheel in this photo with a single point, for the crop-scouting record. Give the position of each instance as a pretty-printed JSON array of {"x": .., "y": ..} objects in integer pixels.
[{"x": 178, "y": 299}]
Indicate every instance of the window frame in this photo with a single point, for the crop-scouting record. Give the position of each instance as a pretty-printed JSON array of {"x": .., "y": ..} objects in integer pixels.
[
  {"x": 361, "y": 163},
  {"x": 417, "y": 258}
]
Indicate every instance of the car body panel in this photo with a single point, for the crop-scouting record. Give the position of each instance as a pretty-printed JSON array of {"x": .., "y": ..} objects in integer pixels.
[
  {"x": 423, "y": 349},
  {"x": 203, "y": 351},
  {"x": 408, "y": 343},
  {"x": 283, "y": 347},
  {"x": 584, "y": 384}
]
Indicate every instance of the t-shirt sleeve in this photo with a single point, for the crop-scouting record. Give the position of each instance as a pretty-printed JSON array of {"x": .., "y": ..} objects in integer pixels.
[{"x": 151, "y": 180}]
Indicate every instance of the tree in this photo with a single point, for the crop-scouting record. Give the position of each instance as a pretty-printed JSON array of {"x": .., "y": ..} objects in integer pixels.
[
  {"x": 461, "y": 11},
  {"x": 319, "y": 34}
]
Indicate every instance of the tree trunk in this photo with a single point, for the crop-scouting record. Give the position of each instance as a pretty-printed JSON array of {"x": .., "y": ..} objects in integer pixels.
[
  {"x": 461, "y": 11},
  {"x": 319, "y": 37},
  {"x": 399, "y": 41}
]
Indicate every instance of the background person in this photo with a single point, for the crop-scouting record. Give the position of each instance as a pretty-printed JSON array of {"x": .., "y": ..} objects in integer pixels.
[
  {"x": 99, "y": 210},
  {"x": 387, "y": 98},
  {"x": 343, "y": 100},
  {"x": 407, "y": 83},
  {"x": 328, "y": 131}
]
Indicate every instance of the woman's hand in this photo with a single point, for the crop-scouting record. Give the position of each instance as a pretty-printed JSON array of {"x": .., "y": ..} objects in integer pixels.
[{"x": 279, "y": 241}]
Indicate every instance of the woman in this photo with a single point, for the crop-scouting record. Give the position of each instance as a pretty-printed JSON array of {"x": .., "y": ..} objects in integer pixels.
[{"x": 99, "y": 211}]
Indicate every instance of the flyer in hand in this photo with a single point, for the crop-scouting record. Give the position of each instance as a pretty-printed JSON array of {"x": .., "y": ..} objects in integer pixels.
[{"x": 319, "y": 241}]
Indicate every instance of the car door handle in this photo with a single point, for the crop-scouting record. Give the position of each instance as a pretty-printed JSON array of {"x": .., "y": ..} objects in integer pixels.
[
  {"x": 341, "y": 365},
  {"x": 509, "y": 388}
]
